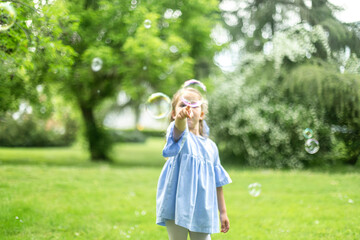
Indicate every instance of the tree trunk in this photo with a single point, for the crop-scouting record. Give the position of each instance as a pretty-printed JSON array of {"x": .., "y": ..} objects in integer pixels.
[
  {"x": 137, "y": 111},
  {"x": 99, "y": 144}
]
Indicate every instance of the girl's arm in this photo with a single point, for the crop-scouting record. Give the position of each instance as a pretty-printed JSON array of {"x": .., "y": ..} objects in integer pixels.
[
  {"x": 180, "y": 122},
  {"x": 225, "y": 224}
]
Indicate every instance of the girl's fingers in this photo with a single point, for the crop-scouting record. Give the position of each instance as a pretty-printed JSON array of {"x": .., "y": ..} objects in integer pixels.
[
  {"x": 189, "y": 112},
  {"x": 186, "y": 113},
  {"x": 225, "y": 226}
]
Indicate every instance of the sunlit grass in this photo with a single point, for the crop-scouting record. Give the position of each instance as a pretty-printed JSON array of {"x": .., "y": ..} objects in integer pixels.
[{"x": 58, "y": 194}]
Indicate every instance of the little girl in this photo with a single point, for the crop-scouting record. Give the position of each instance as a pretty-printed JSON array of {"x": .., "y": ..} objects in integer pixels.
[{"x": 189, "y": 192}]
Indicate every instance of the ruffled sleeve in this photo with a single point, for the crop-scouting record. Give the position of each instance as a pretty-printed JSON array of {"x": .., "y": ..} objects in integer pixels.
[
  {"x": 173, "y": 147},
  {"x": 221, "y": 176}
]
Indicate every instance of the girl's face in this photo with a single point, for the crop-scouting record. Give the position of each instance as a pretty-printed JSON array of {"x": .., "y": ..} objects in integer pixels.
[{"x": 198, "y": 114}]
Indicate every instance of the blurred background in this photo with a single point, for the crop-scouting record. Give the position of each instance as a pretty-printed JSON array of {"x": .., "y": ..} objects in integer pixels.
[
  {"x": 282, "y": 80},
  {"x": 83, "y": 70}
]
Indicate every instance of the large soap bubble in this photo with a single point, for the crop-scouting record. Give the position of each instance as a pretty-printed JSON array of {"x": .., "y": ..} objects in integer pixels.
[
  {"x": 197, "y": 85},
  {"x": 7, "y": 16},
  {"x": 158, "y": 105}
]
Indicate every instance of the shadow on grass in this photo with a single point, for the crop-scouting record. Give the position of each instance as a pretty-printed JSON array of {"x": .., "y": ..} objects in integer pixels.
[
  {"x": 331, "y": 169},
  {"x": 88, "y": 164},
  {"x": 127, "y": 155}
]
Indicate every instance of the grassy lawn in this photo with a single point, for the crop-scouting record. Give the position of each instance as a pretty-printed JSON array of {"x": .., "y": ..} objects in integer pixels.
[{"x": 56, "y": 193}]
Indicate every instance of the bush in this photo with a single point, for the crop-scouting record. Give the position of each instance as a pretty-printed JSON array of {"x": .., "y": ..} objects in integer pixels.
[
  {"x": 252, "y": 126},
  {"x": 131, "y": 135},
  {"x": 31, "y": 131},
  {"x": 126, "y": 136},
  {"x": 154, "y": 133}
]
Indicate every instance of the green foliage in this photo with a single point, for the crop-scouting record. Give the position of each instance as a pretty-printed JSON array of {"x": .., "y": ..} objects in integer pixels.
[
  {"x": 323, "y": 87},
  {"x": 127, "y": 136},
  {"x": 292, "y": 85},
  {"x": 32, "y": 131},
  {"x": 31, "y": 52},
  {"x": 257, "y": 21},
  {"x": 57, "y": 48},
  {"x": 254, "y": 127},
  {"x": 131, "y": 135}
]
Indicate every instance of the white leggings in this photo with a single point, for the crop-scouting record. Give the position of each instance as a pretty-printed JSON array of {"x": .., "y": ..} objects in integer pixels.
[{"x": 177, "y": 232}]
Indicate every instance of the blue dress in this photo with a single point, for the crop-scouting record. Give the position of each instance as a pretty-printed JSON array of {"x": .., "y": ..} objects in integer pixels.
[{"x": 186, "y": 190}]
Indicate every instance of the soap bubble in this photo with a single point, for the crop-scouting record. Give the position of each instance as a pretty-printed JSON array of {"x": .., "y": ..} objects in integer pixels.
[
  {"x": 312, "y": 146},
  {"x": 254, "y": 189},
  {"x": 197, "y": 85},
  {"x": 7, "y": 16},
  {"x": 174, "y": 49},
  {"x": 147, "y": 24},
  {"x": 96, "y": 64},
  {"x": 308, "y": 133},
  {"x": 158, "y": 105}
]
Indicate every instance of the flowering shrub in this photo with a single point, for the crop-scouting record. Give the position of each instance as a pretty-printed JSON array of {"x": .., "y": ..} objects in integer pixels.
[{"x": 259, "y": 130}]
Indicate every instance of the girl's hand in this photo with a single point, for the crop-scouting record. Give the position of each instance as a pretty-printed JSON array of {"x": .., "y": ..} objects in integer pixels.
[
  {"x": 185, "y": 112},
  {"x": 225, "y": 223}
]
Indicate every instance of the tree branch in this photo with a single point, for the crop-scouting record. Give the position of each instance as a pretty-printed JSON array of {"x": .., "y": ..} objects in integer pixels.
[{"x": 14, "y": 1}]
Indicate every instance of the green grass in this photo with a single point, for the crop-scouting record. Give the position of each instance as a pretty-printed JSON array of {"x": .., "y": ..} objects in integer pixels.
[{"x": 58, "y": 194}]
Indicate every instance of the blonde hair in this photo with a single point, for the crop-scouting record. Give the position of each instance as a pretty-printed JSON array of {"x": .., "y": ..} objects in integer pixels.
[{"x": 204, "y": 107}]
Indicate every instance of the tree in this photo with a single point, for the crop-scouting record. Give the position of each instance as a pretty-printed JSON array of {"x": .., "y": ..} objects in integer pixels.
[
  {"x": 138, "y": 44},
  {"x": 256, "y": 21},
  {"x": 33, "y": 36}
]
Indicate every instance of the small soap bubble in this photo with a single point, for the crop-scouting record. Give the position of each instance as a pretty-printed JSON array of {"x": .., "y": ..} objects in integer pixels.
[
  {"x": 158, "y": 105},
  {"x": 43, "y": 109},
  {"x": 147, "y": 24},
  {"x": 312, "y": 146},
  {"x": 188, "y": 99},
  {"x": 96, "y": 64},
  {"x": 254, "y": 189},
  {"x": 174, "y": 49},
  {"x": 7, "y": 16},
  {"x": 308, "y": 133},
  {"x": 350, "y": 201}
]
